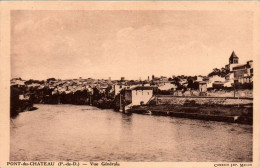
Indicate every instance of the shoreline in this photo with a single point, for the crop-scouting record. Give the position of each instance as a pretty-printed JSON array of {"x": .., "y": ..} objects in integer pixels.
[{"x": 221, "y": 113}]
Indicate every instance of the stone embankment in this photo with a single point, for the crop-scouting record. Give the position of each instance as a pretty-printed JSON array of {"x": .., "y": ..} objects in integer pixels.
[
  {"x": 203, "y": 108},
  {"x": 180, "y": 100}
]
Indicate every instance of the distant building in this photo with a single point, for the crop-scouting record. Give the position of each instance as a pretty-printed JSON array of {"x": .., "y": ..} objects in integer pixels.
[
  {"x": 199, "y": 78},
  {"x": 241, "y": 73},
  {"x": 233, "y": 61},
  {"x": 218, "y": 85},
  {"x": 163, "y": 79},
  {"x": 118, "y": 88},
  {"x": 215, "y": 80},
  {"x": 202, "y": 86},
  {"x": 139, "y": 95}
]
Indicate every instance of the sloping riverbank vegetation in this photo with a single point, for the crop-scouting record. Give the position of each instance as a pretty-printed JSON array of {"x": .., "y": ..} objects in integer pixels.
[
  {"x": 226, "y": 113},
  {"x": 17, "y": 105},
  {"x": 242, "y": 113}
]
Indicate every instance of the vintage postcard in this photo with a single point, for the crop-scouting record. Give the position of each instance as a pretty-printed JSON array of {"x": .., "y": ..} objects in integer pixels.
[{"x": 130, "y": 84}]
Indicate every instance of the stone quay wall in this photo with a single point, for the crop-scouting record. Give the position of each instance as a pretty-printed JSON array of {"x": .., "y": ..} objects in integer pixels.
[{"x": 202, "y": 100}]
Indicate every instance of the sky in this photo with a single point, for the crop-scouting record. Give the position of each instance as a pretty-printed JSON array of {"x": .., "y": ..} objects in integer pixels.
[{"x": 131, "y": 44}]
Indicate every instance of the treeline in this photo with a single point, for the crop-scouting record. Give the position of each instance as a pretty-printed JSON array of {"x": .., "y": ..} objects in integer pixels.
[
  {"x": 45, "y": 96},
  {"x": 17, "y": 105},
  {"x": 219, "y": 72}
]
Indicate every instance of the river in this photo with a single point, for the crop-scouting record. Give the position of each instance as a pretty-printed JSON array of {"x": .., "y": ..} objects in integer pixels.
[{"x": 86, "y": 133}]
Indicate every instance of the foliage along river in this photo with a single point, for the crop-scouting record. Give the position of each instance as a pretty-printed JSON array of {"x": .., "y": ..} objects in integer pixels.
[{"x": 86, "y": 133}]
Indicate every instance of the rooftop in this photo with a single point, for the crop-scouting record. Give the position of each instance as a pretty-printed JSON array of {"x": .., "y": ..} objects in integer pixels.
[
  {"x": 233, "y": 55},
  {"x": 143, "y": 88}
]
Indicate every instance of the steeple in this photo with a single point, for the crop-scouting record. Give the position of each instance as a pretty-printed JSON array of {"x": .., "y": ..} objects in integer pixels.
[{"x": 233, "y": 59}]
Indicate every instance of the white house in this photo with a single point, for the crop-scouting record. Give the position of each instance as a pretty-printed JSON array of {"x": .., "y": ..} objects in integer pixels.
[
  {"x": 213, "y": 79},
  {"x": 139, "y": 95},
  {"x": 118, "y": 88}
]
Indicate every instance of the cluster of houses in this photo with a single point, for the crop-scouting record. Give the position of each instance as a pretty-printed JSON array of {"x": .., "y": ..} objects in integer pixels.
[
  {"x": 236, "y": 73},
  {"x": 239, "y": 73},
  {"x": 137, "y": 92}
]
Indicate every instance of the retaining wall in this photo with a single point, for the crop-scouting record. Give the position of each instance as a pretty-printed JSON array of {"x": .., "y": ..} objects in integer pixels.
[{"x": 203, "y": 100}]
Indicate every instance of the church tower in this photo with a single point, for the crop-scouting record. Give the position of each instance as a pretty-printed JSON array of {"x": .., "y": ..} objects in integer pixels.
[{"x": 233, "y": 59}]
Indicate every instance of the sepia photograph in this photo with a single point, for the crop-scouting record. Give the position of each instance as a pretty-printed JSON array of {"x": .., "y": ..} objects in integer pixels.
[{"x": 132, "y": 85}]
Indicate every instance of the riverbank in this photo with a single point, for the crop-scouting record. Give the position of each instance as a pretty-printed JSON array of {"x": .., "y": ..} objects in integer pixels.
[
  {"x": 242, "y": 114},
  {"x": 226, "y": 109},
  {"x": 21, "y": 106},
  {"x": 233, "y": 113}
]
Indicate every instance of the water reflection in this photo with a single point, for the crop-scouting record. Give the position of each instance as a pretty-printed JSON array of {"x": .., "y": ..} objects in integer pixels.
[
  {"x": 68, "y": 132},
  {"x": 126, "y": 118}
]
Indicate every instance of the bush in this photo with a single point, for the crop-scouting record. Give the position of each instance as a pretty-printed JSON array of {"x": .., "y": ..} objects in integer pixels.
[
  {"x": 189, "y": 103},
  {"x": 152, "y": 102},
  {"x": 244, "y": 86}
]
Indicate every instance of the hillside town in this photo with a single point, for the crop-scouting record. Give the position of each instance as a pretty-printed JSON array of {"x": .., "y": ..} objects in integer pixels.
[{"x": 234, "y": 80}]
